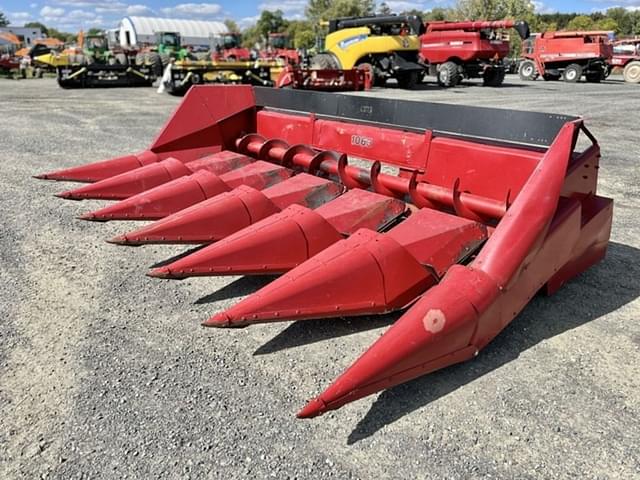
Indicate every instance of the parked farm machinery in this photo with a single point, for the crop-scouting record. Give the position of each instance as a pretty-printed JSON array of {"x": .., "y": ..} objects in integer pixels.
[
  {"x": 325, "y": 80},
  {"x": 626, "y": 55},
  {"x": 487, "y": 208},
  {"x": 567, "y": 55},
  {"x": 457, "y": 50},
  {"x": 184, "y": 74}
]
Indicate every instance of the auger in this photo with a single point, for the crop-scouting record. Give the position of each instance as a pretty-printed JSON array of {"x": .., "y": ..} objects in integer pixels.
[{"x": 455, "y": 215}]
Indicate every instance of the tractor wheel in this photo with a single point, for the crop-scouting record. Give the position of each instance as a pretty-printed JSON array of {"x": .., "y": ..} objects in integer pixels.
[
  {"x": 572, "y": 73},
  {"x": 493, "y": 77},
  {"x": 121, "y": 59},
  {"x": 527, "y": 70},
  {"x": 155, "y": 62},
  {"x": 448, "y": 75},
  {"x": 324, "y": 61},
  {"x": 164, "y": 59},
  {"x": 408, "y": 80},
  {"x": 201, "y": 56},
  {"x": 631, "y": 72},
  {"x": 140, "y": 59}
]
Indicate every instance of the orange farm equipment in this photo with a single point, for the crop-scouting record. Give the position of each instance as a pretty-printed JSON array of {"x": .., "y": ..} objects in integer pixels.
[
  {"x": 324, "y": 79},
  {"x": 457, "y": 50},
  {"x": 481, "y": 209},
  {"x": 626, "y": 55},
  {"x": 567, "y": 55}
]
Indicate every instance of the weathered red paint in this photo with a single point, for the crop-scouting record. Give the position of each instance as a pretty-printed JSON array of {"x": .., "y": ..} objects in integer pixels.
[
  {"x": 183, "y": 192},
  {"x": 285, "y": 240},
  {"x": 224, "y": 214}
]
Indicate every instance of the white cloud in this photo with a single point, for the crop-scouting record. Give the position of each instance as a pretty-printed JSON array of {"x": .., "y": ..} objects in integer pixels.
[
  {"x": 51, "y": 12},
  {"x": 33, "y": 5},
  {"x": 138, "y": 10},
  {"x": 19, "y": 16},
  {"x": 80, "y": 15},
  {"x": 398, "y": 6},
  {"x": 193, "y": 9},
  {"x": 293, "y": 9},
  {"x": 540, "y": 7},
  {"x": 247, "y": 22}
]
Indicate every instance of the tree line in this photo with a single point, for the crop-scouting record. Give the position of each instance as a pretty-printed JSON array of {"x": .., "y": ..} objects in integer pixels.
[{"x": 307, "y": 33}]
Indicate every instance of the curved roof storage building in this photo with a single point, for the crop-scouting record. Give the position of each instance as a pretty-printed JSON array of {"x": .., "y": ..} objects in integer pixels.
[{"x": 135, "y": 31}]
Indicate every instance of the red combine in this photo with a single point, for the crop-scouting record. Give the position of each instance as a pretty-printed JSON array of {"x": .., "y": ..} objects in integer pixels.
[
  {"x": 229, "y": 48},
  {"x": 567, "y": 55},
  {"x": 457, "y": 50},
  {"x": 488, "y": 208},
  {"x": 279, "y": 48},
  {"x": 626, "y": 55}
]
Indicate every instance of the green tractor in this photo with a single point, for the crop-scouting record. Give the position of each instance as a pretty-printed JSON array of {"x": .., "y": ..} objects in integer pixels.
[{"x": 168, "y": 47}]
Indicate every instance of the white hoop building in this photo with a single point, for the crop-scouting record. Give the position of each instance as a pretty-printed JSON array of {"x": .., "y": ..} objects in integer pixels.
[{"x": 135, "y": 31}]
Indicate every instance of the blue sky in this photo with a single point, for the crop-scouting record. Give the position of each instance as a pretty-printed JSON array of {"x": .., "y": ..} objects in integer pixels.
[{"x": 71, "y": 15}]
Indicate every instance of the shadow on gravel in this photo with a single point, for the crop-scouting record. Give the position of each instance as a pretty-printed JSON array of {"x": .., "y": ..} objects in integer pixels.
[
  {"x": 306, "y": 332},
  {"x": 162, "y": 263},
  {"x": 238, "y": 288},
  {"x": 603, "y": 289}
]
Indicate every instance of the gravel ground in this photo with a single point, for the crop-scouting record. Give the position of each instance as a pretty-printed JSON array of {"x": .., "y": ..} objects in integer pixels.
[{"x": 106, "y": 373}]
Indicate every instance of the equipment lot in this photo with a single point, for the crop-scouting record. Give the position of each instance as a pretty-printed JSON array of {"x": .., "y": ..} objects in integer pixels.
[{"x": 105, "y": 372}]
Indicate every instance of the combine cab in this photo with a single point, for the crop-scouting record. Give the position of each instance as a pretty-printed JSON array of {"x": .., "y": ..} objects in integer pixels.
[
  {"x": 457, "y": 50},
  {"x": 487, "y": 208},
  {"x": 279, "y": 48},
  {"x": 626, "y": 55},
  {"x": 386, "y": 45},
  {"x": 567, "y": 55},
  {"x": 228, "y": 47}
]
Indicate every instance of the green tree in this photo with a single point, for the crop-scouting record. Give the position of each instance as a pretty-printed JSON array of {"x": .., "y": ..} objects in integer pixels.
[
  {"x": 232, "y": 26},
  {"x": 4, "y": 21},
  {"x": 439, "y": 14},
  {"x": 39, "y": 25},
  {"x": 95, "y": 32},
  {"x": 494, "y": 9},
  {"x": 608, "y": 24},
  {"x": 301, "y": 33},
  {"x": 581, "y": 22}
]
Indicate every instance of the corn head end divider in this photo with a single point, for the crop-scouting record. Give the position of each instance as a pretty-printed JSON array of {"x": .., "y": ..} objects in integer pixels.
[{"x": 456, "y": 215}]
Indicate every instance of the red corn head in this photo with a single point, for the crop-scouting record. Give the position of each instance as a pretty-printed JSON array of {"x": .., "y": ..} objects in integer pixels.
[
  {"x": 145, "y": 178},
  {"x": 284, "y": 240},
  {"x": 183, "y": 192},
  {"x": 367, "y": 273},
  {"x": 220, "y": 216},
  {"x": 207, "y": 121}
]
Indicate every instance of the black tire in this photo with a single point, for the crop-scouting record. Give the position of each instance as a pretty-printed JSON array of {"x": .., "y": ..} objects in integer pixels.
[
  {"x": 527, "y": 70},
  {"x": 155, "y": 62},
  {"x": 408, "y": 79},
  {"x": 164, "y": 59},
  {"x": 631, "y": 72},
  {"x": 493, "y": 77},
  {"x": 594, "y": 77},
  {"x": 550, "y": 77},
  {"x": 324, "y": 61},
  {"x": 572, "y": 73},
  {"x": 448, "y": 75}
]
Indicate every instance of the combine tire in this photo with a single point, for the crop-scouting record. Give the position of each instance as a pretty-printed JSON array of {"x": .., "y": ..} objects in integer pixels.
[
  {"x": 527, "y": 70},
  {"x": 324, "y": 61},
  {"x": 408, "y": 80},
  {"x": 572, "y": 73},
  {"x": 493, "y": 77},
  {"x": 631, "y": 72},
  {"x": 448, "y": 75},
  {"x": 154, "y": 60}
]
